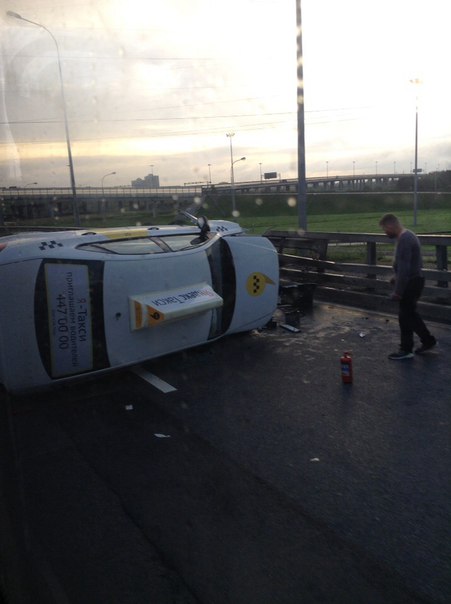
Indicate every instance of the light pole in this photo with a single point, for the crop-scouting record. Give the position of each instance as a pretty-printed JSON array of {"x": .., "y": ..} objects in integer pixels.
[
  {"x": 302, "y": 182},
  {"x": 66, "y": 124},
  {"x": 209, "y": 174},
  {"x": 232, "y": 182},
  {"x": 103, "y": 178},
  {"x": 230, "y": 135},
  {"x": 416, "y": 81},
  {"x": 102, "y": 207},
  {"x": 261, "y": 179}
]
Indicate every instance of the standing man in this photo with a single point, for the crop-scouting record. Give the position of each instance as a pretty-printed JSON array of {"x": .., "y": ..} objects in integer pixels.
[{"x": 408, "y": 285}]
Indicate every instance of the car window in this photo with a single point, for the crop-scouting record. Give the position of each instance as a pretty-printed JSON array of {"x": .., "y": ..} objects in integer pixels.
[
  {"x": 124, "y": 246},
  {"x": 182, "y": 242},
  {"x": 144, "y": 245}
]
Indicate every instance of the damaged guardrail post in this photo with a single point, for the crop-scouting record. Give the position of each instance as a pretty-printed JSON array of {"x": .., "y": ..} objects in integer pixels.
[
  {"x": 441, "y": 255},
  {"x": 371, "y": 256}
]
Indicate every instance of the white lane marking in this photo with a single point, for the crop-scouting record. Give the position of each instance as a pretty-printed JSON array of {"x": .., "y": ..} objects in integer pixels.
[{"x": 153, "y": 380}]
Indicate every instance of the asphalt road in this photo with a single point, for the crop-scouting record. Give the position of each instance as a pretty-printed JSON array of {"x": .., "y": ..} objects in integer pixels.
[{"x": 259, "y": 478}]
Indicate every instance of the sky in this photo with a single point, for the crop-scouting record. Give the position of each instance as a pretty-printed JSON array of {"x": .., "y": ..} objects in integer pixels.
[{"x": 155, "y": 86}]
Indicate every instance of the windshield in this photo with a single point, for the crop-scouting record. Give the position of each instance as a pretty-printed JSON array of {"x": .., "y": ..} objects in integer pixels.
[{"x": 145, "y": 245}]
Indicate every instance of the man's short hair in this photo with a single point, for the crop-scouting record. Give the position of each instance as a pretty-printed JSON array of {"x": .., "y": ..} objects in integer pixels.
[{"x": 389, "y": 219}]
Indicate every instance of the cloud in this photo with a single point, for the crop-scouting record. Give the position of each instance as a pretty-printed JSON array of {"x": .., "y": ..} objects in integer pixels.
[{"x": 161, "y": 83}]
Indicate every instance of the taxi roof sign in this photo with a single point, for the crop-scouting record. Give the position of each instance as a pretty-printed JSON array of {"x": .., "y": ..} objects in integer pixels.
[{"x": 157, "y": 308}]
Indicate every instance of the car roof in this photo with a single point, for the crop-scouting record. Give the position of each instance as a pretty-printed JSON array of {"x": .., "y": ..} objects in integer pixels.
[
  {"x": 49, "y": 239},
  {"x": 216, "y": 226}
]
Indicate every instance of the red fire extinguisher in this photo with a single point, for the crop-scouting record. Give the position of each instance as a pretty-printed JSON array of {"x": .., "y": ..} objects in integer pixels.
[{"x": 346, "y": 368}]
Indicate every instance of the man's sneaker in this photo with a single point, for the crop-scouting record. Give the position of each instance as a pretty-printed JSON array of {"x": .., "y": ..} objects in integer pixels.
[
  {"x": 425, "y": 347},
  {"x": 400, "y": 355}
]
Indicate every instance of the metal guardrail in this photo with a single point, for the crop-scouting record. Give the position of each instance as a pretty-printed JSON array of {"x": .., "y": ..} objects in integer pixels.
[
  {"x": 30, "y": 204},
  {"x": 304, "y": 258},
  {"x": 45, "y": 192},
  {"x": 285, "y": 239}
]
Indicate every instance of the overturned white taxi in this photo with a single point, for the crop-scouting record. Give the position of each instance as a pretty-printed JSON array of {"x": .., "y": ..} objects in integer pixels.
[{"x": 84, "y": 301}]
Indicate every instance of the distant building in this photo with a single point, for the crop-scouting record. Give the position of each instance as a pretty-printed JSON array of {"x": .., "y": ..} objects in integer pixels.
[{"x": 151, "y": 181}]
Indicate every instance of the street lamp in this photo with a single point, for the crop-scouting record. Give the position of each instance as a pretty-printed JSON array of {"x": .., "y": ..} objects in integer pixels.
[
  {"x": 260, "y": 172},
  {"x": 241, "y": 159},
  {"x": 302, "y": 180},
  {"x": 230, "y": 135},
  {"x": 232, "y": 182},
  {"x": 209, "y": 174},
  {"x": 103, "y": 178},
  {"x": 416, "y": 81},
  {"x": 10, "y": 13}
]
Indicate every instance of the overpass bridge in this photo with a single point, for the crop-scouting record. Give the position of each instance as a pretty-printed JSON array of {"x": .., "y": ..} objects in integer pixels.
[
  {"x": 30, "y": 203},
  {"x": 39, "y": 202},
  {"x": 317, "y": 184}
]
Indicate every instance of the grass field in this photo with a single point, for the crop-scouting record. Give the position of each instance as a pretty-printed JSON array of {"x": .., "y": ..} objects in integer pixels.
[
  {"x": 358, "y": 213},
  {"x": 431, "y": 221},
  {"x": 355, "y": 213}
]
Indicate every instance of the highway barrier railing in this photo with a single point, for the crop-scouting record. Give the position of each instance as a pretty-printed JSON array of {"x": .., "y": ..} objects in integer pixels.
[{"x": 305, "y": 257}]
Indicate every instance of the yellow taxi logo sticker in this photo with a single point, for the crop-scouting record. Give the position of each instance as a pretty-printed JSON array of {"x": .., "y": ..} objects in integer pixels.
[
  {"x": 129, "y": 233},
  {"x": 146, "y": 315},
  {"x": 154, "y": 316},
  {"x": 256, "y": 283}
]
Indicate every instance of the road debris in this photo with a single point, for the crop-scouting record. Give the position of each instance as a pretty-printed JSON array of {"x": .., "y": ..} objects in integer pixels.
[{"x": 290, "y": 327}]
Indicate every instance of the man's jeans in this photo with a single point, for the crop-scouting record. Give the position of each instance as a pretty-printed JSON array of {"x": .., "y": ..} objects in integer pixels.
[{"x": 410, "y": 321}]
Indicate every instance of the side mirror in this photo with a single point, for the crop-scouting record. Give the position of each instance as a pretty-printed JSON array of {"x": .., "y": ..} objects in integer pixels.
[{"x": 204, "y": 227}]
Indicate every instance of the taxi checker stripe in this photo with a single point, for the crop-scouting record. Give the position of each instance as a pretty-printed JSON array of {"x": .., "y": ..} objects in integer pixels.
[
  {"x": 50, "y": 245},
  {"x": 256, "y": 280},
  {"x": 256, "y": 283}
]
